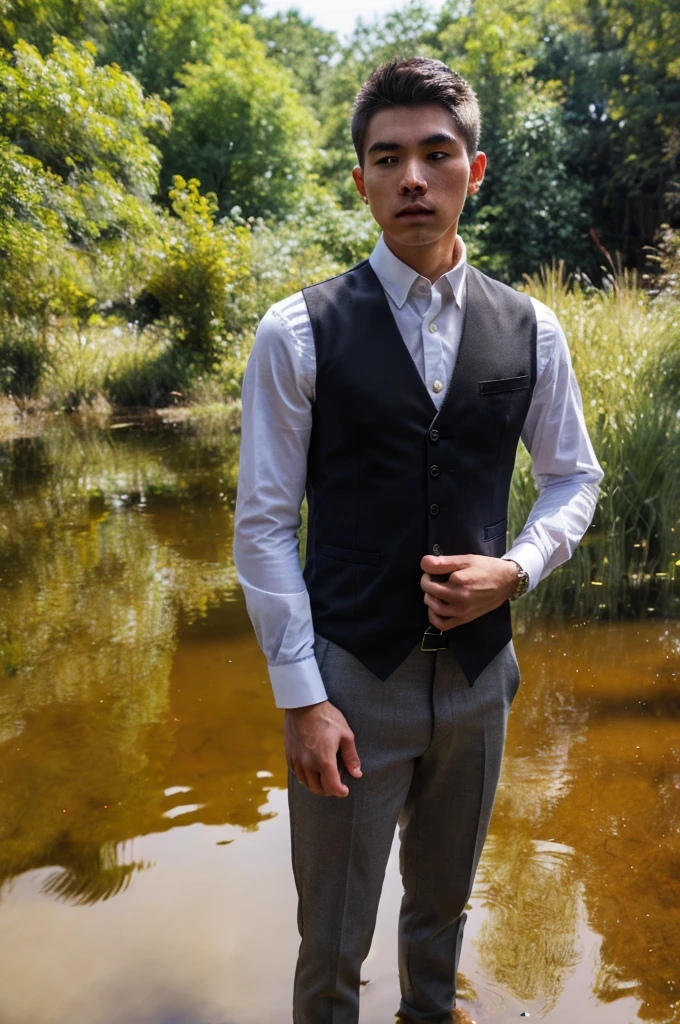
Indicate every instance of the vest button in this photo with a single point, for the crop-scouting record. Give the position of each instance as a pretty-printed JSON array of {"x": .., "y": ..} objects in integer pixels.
[
  {"x": 436, "y": 550},
  {"x": 434, "y": 510},
  {"x": 434, "y": 471},
  {"x": 434, "y": 436}
]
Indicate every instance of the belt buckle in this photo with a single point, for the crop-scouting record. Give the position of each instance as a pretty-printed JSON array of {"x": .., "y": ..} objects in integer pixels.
[{"x": 434, "y": 640}]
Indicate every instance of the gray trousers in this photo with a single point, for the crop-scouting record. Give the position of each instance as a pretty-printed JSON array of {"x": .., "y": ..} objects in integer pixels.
[{"x": 430, "y": 748}]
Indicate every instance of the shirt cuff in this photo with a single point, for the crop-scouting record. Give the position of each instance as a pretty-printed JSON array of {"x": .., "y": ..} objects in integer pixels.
[
  {"x": 530, "y": 558},
  {"x": 297, "y": 684}
]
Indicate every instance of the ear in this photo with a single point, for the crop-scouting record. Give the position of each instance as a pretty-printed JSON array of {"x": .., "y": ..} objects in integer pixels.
[
  {"x": 358, "y": 175},
  {"x": 477, "y": 168}
]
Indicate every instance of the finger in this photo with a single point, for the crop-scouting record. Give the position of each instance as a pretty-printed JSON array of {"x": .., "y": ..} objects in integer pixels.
[
  {"x": 463, "y": 577},
  {"x": 444, "y": 591},
  {"x": 436, "y": 565},
  {"x": 427, "y": 583},
  {"x": 454, "y": 606},
  {"x": 331, "y": 781},
  {"x": 444, "y": 624},
  {"x": 314, "y": 782},
  {"x": 350, "y": 758},
  {"x": 298, "y": 772},
  {"x": 441, "y": 608}
]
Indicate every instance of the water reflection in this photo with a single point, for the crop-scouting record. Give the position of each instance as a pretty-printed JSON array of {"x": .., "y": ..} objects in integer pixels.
[
  {"x": 589, "y": 812},
  {"x": 134, "y": 703},
  {"x": 111, "y": 550}
]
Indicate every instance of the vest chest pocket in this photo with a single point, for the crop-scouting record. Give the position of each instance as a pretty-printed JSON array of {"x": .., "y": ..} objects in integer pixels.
[
  {"x": 496, "y": 530},
  {"x": 503, "y": 384},
  {"x": 354, "y": 555}
]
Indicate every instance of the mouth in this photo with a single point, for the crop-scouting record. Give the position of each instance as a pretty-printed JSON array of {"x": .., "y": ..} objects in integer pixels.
[{"x": 415, "y": 211}]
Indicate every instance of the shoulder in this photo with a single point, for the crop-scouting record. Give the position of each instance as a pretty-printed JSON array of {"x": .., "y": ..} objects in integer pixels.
[
  {"x": 495, "y": 288},
  {"x": 284, "y": 332},
  {"x": 332, "y": 297},
  {"x": 283, "y": 355},
  {"x": 338, "y": 281},
  {"x": 288, "y": 316}
]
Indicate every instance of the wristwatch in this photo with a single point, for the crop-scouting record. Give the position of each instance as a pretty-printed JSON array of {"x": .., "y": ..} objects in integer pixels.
[{"x": 522, "y": 580}]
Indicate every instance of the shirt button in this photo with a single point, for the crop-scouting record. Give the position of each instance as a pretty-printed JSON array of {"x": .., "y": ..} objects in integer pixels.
[
  {"x": 434, "y": 510},
  {"x": 436, "y": 550},
  {"x": 437, "y": 386},
  {"x": 434, "y": 471},
  {"x": 434, "y": 435},
  {"x": 432, "y": 328}
]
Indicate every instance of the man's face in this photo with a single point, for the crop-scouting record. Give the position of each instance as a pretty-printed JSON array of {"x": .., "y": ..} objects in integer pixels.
[{"x": 416, "y": 173}]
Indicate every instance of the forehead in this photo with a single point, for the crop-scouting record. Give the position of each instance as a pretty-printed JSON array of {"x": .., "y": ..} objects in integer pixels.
[{"x": 407, "y": 125}]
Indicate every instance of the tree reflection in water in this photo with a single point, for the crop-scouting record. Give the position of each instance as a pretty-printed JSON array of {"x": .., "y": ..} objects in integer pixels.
[{"x": 112, "y": 548}]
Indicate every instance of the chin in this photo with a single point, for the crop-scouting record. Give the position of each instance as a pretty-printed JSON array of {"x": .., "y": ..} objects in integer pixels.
[{"x": 417, "y": 234}]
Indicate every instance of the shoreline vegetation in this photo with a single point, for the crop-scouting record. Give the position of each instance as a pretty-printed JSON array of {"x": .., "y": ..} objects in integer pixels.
[{"x": 169, "y": 169}]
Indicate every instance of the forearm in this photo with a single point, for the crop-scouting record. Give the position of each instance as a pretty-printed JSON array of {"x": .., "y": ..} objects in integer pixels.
[
  {"x": 284, "y": 630},
  {"x": 563, "y": 462},
  {"x": 556, "y": 524}
]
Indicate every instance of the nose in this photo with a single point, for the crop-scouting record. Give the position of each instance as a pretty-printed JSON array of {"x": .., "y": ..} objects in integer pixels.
[{"x": 412, "y": 179}]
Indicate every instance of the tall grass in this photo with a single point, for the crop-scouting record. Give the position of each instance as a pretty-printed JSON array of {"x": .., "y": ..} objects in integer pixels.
[{"x": 626, "y": 353}]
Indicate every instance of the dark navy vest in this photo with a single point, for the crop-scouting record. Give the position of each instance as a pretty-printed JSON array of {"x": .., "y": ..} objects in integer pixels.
[{"x": 390, "y": 478}]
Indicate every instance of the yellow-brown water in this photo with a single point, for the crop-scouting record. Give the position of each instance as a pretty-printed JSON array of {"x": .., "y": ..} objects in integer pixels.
[{"x": 144, "y": 873}]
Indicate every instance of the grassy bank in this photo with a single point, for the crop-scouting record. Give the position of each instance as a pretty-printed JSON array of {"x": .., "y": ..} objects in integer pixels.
[{"x": 625, "y": 348}]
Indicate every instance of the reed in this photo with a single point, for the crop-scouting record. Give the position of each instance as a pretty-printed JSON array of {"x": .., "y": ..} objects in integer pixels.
[{"x": 625, "y": 347}]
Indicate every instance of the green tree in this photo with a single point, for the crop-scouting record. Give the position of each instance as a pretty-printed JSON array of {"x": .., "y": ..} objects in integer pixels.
[
  {"x": 77, "y": 118},
  {"x": 37, "y": 21},
  {"x": 155, "y": 39},
  {"x": 77, "y": 173},
  {"x": 298, "y": 44},
  {"x": 620, "y": 65},
  {"x": 242, "y": 130},
  {"x": 201, "y": 275}
]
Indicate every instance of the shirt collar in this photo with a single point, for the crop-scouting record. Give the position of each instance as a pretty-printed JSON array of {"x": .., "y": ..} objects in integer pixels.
[{"x": 397, "y": 278}]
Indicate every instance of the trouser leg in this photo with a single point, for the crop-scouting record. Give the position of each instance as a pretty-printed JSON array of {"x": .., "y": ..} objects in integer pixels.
[
  {"x": 443, "y": 826},
  {"x": 341, "y": 845}
]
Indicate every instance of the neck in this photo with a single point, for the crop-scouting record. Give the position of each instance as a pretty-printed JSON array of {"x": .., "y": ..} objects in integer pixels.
[{"x": 430, "y": 260}]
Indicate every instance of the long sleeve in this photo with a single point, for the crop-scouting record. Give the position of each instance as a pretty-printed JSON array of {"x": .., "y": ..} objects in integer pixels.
[
  {"x": 563, "y": 462},
  {"x": 278, "y": 391}
]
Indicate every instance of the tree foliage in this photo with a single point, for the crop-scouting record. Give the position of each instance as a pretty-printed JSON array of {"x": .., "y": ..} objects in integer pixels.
[
  {"x": 200, "y": 272},
  {"x": 77, "y": 175},
  {"x": 241, "y": 129},
  {"x": 175, "y": 165},
  {"x": 299, "y": 45}
]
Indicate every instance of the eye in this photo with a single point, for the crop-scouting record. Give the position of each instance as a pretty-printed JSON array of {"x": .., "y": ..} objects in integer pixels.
[
  {"x": 386, "y": 159},
  {"x": 436, "y": 155}
]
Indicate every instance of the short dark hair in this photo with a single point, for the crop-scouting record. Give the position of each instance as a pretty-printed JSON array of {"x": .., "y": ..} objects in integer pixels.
[{"x": 410, "y": 83}]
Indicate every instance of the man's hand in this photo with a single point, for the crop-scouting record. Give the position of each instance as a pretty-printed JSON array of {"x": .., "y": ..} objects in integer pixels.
[
  {"x": 313, "y": 737},
  {"x": 476, "y": 586}
]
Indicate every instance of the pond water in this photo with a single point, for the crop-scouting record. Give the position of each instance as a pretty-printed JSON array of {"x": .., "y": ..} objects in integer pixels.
[{"x": 144, "y": 859}]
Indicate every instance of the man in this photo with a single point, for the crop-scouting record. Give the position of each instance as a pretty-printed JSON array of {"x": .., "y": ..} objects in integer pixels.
[{"x": 395, "y": 395}]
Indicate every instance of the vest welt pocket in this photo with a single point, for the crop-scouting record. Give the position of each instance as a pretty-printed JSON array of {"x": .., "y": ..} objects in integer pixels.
[
  {"x": 496, "y": 530},
  {"x": 497, "y": 387},
  {"x": 354, "y": 555}
]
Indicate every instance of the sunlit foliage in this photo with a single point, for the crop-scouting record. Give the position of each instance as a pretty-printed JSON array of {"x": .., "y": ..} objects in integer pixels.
[{"x": 241, "y": 129}]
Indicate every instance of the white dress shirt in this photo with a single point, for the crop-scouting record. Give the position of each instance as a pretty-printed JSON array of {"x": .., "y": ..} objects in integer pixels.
[{"x": 278, "y": 394}]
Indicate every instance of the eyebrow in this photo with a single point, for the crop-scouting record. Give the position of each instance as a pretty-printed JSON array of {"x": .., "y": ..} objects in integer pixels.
[{"x": 431, "y": 140}]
